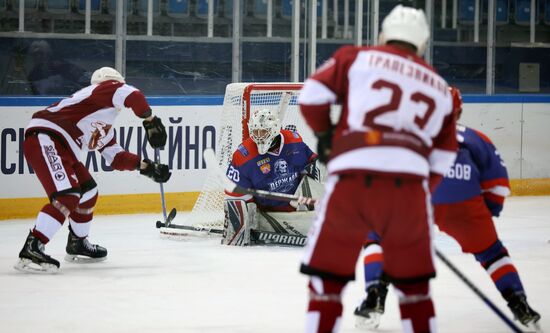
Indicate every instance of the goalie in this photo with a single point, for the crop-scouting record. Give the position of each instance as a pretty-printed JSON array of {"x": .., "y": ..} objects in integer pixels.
[{"x": 275, "y": 160}]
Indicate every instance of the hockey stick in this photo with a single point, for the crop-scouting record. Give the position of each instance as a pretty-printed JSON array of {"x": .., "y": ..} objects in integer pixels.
[
  {"x": 166, "y": 221},
  {"x": 478, "y": 292},
  {"x": 171, "y": 216},
  {"x": 230, "y": 186}
]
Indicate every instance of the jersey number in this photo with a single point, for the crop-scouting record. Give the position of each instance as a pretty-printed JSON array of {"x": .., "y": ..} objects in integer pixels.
[
  {"x": 233, "y": 174},
  {"x": 393, "y": 105}
]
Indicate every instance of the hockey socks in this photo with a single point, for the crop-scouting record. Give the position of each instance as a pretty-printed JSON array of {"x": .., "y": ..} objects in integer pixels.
[
  {"x": 417, "y": 309},
  {"x": 372, "y": 264},
  {"x": 499, "y": 266},
  {"x": 325, "y": 305}
]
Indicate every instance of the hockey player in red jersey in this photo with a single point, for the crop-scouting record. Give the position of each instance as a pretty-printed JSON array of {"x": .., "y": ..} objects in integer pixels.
[
  {"x": 470, "y": 194},
  {"x": 396, "y": 132},
  {"x": 54, "y": 141}
]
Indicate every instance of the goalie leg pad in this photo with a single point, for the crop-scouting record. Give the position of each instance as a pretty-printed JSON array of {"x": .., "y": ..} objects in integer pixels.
[{"x": 239, "y": 216}]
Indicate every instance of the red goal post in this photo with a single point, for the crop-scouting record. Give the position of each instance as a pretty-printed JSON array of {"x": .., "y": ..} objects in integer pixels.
[{"x": 240, "y": 100}]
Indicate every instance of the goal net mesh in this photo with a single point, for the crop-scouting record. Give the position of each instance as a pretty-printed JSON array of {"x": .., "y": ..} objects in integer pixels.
[{"x": 240, "y": 100}]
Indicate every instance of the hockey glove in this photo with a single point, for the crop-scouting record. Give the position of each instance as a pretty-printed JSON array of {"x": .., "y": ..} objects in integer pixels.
[
  {"x": 156, "y": 133},
  {"x": 160, "y": 173},
  {"x": 324, "y": 145},
  {"x": 312, "y": 171}
]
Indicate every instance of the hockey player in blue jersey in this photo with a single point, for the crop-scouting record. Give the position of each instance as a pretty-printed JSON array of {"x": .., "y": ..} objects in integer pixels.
[
  {"x": 270, "y": 159},
  {"x": 464, "y": 202}
]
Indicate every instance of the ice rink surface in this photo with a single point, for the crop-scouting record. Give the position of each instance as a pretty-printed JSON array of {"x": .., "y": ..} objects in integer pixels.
[{"x": 149, "y": 284}]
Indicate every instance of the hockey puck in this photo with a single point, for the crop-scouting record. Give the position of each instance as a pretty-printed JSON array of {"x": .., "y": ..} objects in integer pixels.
[{"x": 159, "y": 224}]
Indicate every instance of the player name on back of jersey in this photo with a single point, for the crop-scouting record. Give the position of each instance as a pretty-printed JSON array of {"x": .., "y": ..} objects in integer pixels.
[{"x": 407, "y": 68}]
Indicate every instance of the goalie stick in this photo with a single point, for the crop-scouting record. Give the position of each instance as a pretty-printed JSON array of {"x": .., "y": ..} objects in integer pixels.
[{"x": 230, "y": 186}]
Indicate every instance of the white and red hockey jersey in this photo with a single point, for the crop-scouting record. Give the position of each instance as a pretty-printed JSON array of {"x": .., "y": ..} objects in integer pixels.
[
  {"x": 84, "y": 121},
  {"x": 396, "y": 112}
]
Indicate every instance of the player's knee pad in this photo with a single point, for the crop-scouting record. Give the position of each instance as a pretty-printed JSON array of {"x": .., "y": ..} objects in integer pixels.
[
  {"x": 84, "y": 211},
  {"x": 324, "y": 289},
  {"x": 325, "y": 305},
  {"x": 65, "y": 203},
  {"x": 413, "y": 292},
  {"x": 239, "y": 216}
]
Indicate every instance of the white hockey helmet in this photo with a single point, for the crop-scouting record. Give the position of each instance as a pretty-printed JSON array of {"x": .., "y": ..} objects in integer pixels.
[
  {"x": 105, "y": 74},
  {"x": 408, "y": 25},
  {"x": 263, "y": 126}
]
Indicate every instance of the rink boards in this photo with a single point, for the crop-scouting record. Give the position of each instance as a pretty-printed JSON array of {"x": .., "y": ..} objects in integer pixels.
[{"x": 517, "y": 124}]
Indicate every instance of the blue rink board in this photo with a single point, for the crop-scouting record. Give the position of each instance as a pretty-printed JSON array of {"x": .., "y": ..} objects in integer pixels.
[{"x": 218, "y": 100}]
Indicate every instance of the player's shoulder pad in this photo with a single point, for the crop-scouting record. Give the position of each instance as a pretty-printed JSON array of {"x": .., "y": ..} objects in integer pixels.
[
  {"x": 291, "y": 136},
  {"x": 473, "y": 135},
  {"x": 246, "y": 151}
]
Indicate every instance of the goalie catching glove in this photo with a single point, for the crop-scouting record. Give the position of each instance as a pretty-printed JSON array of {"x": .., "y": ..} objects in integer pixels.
[
  {"x": 160, "y": 173},
  {"x": 156, "y": 133}
]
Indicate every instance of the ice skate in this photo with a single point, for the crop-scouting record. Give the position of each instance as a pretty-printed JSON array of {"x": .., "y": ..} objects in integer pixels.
[
  {"x": 523, "y": 312},
  {"x": 80, "y": 250},
  {"x": 371, "y": 309},
  {"x": 33, "y": 259}
]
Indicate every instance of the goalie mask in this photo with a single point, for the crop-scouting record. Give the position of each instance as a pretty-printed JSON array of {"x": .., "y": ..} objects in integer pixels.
[
  {"x": 264, "y": 126},
  {"x": 407, "y": 25},
  {"x": 106, "y": 74}
]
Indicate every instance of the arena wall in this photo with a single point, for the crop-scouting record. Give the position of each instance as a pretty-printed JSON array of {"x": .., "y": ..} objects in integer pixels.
[{"x": 518, "y": 125}]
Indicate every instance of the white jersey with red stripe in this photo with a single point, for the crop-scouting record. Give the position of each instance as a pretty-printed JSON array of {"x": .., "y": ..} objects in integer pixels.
[
  {"x": 396, "y": 112},
  {"x": 85, "y": 119}
]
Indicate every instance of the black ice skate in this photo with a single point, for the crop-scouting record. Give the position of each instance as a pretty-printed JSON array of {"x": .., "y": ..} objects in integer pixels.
[
  {"x": 33, "y": 259},
  {"x": 522, "y": 311},
  {"x": 82, "y": 251},
  {"x": 369, "y": 312}
]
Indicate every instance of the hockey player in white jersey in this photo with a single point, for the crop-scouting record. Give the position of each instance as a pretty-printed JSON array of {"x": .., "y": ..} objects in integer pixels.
[{"x": 54, "y": 140}]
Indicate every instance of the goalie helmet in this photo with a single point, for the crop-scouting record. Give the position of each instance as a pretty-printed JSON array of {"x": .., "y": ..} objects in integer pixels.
[
  {"x": 264, "y": 125},
  {"x": 408, "y": 25},
  {"x": 106, "y": 74}
]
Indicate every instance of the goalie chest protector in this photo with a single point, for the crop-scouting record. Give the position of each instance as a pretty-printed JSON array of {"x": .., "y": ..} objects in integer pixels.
[{"x": 274, "y": 171}]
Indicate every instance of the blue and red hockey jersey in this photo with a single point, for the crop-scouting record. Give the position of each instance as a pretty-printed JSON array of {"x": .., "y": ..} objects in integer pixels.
[
  {"x": 478, "y": 170},
  {"x": 274, "y": 171}
]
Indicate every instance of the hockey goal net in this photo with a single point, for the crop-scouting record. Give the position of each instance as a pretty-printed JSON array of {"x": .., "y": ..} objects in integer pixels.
[{"x": 240, "y": 100}]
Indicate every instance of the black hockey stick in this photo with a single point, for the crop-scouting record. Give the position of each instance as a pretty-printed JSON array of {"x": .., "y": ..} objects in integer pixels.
[
  {"x": 171, "y": 216},
  {"x": 230, "y": 186},
  {"x": 168, "y": 222},
  {"x": 163, "y": 202},
  {"x": 478, "y": 292}
]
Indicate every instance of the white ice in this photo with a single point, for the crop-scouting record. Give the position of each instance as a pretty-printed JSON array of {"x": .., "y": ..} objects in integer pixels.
[{"x": 149, "y": 284}]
